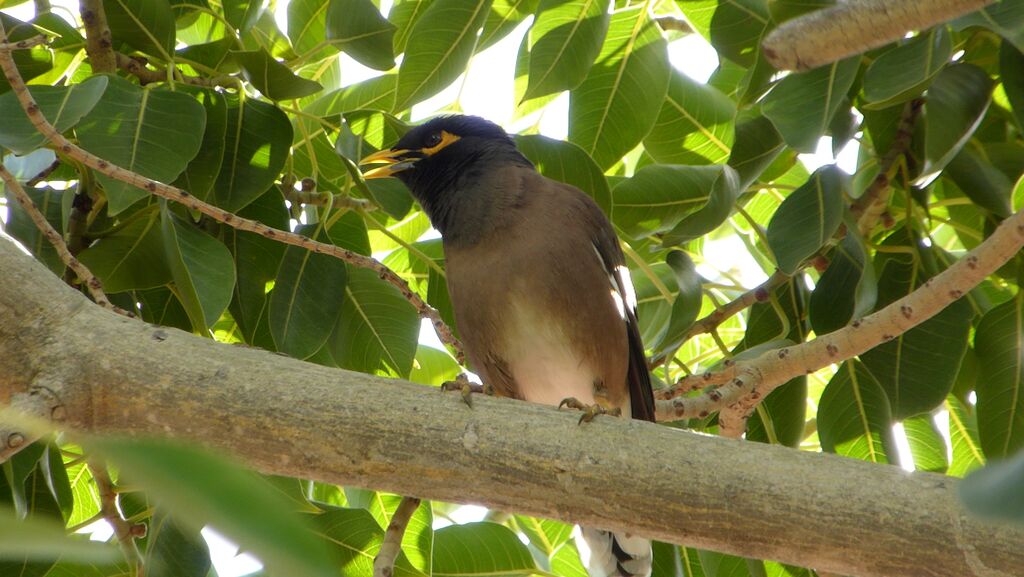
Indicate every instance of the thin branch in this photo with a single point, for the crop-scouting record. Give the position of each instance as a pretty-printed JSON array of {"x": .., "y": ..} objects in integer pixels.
[
  {"x": 220, "y": 215},
  {"x": 125, "y": 531},
  {"x": 42, "y": 174},
  {"x": 872, "y": 204},
  {"x": 713, "y": 320},
  {"x": 310, "y": 195},
  {"x": 384, "y": 562},
  {"x": 98, "y": 43},
  {"x": 136, "y": 66},
  {"x": 854, "y": 27},
  {"x": 24, "y": 44},
  {"x": 92, "y": 284},
  {"x": 745, "y": 383}
]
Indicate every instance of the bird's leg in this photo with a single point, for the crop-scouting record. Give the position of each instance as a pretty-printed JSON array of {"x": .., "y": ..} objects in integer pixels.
[
  {"x": 467, "y": 388},
  {"x": 589, "y": 411}
]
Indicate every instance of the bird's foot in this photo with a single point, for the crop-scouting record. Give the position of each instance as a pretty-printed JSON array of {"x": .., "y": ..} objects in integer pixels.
[
  {"x": 589, "y": 411},
  {"x": 467, "y": 388}
]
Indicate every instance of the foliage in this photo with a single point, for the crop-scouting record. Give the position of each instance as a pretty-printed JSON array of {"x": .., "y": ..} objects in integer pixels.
[{"x": 684, "y": 170}]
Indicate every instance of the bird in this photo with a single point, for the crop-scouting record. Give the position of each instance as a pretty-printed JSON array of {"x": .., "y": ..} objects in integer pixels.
[{"x": 539, "y": 286}]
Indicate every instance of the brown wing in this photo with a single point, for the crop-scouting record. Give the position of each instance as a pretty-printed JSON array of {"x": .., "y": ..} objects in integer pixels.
[{"x": 638, "y": 378}]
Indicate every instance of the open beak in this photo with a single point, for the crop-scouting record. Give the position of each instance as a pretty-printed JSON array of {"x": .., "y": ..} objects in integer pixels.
[{"x": 395, "y": 162}]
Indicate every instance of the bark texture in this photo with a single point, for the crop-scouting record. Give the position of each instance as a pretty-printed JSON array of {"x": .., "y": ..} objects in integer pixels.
[{"x": 103, "y": 373}]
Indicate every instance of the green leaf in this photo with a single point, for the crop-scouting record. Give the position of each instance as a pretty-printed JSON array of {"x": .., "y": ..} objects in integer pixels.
[
  {"x": 201, "y": 173},
  {"x": 905, "y": 71},
  {"x": 617, "y": 104},
  {"x": 566, "y": 562},
  {"x": 695, "y": 125},
  {"x": 38, "y": 538},
  {"x": 259, "y": 138},
  {"x": 173, "y": 550},
  {"x": 242, "y": 14},
  {"x": 404, "y": 15},
  {"x": 31, "y": 63},
  {"x": 358, "y": 28},
  {"x": 847, "y": 289},
  {"x": 721, "y": 200},
  {"x": 733, "y": 27},
  {"x": 781, "y": 416},
  {"x": 307, "y": 22},
  {"x": 202, "y": 488},
  {"x": 273, "y": 79},
  {"x": 1011, "y": 70},
  {"x": 807, "y": 219},
  {"x": 63, "y": 107},
  {"x": 854, "y": 419},
  {"x": 459, "y": 550},
  {"x": 306, "y": 300},
  {"x": 440, "y": 45},
  {"x": 503, "y": 18},
  {"x": 433, "y": 366},
  {"x": 1003, "y": 18},
  {"x": 159, "y": 306},
  {"x": 801, "y": 106},
  {"x": 994, "y": 491},
  {"x": 544, "y": 534},
  {"x": 686, "y": 306},
  {"x": 355, "y": 538},
  {"x": 564, "y": 40},
  {"x": 21, "y": 227},
  {"x": 980, "y": 181},
  {"x": 999, "y": 342},
  {"x": 202, "y": 268},
  {"x": 957, "y": 101},
  {"x": 927, "y": 447},
  {"x": 147, "y": 25},
  {"x": 153, "y": 132},
  {"x": 757, "y": 145},
  {"x": 132, "y": 257},
  {"x": 377, "y": 93},
  {"x": 963, "y": 436},
  {"x": 377, "y": 325},
  {"x": 659, "y": 196},
  {"x": 565, "y": 162}
]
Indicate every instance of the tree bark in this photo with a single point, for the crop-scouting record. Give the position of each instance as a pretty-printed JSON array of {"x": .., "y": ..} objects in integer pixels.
[{"x": 97, "y": 372}]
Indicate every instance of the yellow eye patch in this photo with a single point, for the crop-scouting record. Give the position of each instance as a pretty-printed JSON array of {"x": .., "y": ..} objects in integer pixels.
[{"x": 446, "y": 139}]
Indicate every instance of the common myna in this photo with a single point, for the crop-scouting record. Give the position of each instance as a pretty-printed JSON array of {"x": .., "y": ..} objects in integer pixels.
[{"x": 540, "y": 289}]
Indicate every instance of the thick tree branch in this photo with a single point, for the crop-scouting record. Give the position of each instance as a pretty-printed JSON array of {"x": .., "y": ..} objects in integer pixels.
[
  {"x": 853, "y": 27},
  {"x": 110, "y": 374},
  {"x": 35, "y": 115}
]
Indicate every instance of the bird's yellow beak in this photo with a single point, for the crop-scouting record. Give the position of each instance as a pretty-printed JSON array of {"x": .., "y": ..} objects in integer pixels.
[{"x": 394, "y": 163}]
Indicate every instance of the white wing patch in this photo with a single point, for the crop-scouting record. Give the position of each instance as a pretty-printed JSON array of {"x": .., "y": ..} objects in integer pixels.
[{"x": 622, "y": 291}]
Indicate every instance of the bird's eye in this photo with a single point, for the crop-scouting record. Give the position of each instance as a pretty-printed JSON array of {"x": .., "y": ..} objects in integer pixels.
[{"x": 433, "y": 140}]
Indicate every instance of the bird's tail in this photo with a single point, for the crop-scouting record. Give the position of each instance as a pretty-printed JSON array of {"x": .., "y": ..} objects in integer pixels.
[{"x": 617, "y": 554}]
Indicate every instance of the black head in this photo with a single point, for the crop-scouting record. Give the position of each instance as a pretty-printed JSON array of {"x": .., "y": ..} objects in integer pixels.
[
  {"x": 440, "y": 149},
  {"x": 451, "y": 164}
]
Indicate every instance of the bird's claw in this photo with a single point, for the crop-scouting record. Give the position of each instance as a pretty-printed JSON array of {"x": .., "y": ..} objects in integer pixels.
[
  {"x": 589, "y": 411},
  {"x": 466, "y": 387}
]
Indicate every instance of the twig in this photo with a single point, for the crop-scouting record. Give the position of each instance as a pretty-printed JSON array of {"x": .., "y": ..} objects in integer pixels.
[
  {"x": 24, "y": 44},
  {"x": 98, "y": 43},
  {"x": 220, "y": 215},
  {"x": 713, "y": 320},
  {"x": 92, "y": 284},
  {"x": 384, "y": 562},
  {"x": 125, "y": 531},
  {"x": 872, "y": 204},
  {"x": 42, "y": 174},
  {"x": 310, "y": 195},
  {"x": 136, "y": 66},
  {"x": 746, "y": 382},
  {"x": 853, "y": 27}
]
